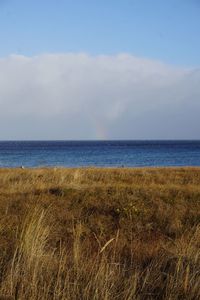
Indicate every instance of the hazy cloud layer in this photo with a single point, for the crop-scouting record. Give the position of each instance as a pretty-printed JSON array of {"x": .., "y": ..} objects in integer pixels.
[{"x": 77, "y": 96}]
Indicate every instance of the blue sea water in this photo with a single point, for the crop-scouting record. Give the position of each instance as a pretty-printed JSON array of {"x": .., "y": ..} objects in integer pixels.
[{"x": 99, "y": 153}]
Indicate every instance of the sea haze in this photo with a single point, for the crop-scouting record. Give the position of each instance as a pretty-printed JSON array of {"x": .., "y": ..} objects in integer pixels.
[{"x": 99, "y": 153}]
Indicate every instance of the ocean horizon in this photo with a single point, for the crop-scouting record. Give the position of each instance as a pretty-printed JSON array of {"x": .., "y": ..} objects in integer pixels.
[{"x": 100, "y": 153}]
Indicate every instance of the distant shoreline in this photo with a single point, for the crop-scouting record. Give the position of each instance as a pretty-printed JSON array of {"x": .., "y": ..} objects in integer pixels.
[{"x": 99, "y": 168}]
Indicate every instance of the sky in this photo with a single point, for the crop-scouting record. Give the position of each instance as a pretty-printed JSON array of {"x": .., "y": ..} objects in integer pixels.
[{"x": 99, "y": 69}]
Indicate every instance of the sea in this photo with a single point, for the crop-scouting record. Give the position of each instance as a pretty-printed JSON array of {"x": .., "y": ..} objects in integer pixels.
[{"x": 99, "y": 153}]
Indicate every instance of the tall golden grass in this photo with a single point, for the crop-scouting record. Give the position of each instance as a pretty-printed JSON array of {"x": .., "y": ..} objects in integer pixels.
[{"x": 100, "y": 234}]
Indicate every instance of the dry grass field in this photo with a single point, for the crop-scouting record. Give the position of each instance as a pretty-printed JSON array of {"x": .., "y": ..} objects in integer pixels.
[{"x": 100, "y": 234}]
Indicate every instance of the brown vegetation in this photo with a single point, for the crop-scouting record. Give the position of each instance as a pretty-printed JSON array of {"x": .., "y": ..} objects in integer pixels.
[{"x": 100, "y": 234}]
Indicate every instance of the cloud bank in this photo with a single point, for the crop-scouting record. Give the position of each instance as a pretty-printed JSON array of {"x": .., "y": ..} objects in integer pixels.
[{"x": 78, "y": 96}]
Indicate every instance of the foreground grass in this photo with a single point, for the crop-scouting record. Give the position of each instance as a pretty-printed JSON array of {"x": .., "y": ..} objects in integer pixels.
[{"x": 100, "y": 234}]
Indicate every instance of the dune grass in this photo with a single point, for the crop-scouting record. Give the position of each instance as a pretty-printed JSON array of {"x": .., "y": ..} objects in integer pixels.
[{"x": 100, "y": 233}]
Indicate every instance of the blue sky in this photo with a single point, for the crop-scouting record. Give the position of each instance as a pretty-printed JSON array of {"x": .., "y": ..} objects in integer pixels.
[
  {"x": 165, "y": 30},
  {"x": 123, "y": 69}
]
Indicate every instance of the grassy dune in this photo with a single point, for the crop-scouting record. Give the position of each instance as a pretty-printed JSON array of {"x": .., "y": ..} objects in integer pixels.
[{"x": 100, "y": 234}]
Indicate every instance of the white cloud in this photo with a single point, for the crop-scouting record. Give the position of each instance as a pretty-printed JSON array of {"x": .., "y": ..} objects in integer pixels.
[{"x": 75, "y": 96}]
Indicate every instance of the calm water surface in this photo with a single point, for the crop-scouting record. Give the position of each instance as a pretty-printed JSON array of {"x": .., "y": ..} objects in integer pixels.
[{"x": 99, "y": 153}]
